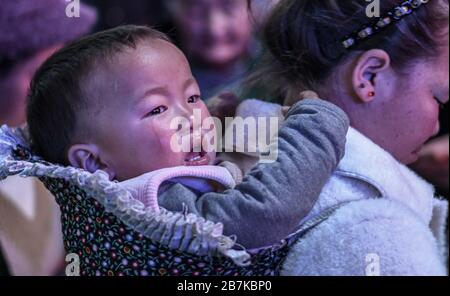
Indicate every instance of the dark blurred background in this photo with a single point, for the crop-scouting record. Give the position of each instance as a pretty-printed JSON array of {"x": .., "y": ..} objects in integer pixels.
[{"x": 112, "y": 13}]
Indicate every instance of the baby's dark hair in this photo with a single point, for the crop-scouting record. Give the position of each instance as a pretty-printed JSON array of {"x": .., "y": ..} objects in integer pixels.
[
  {"x": 56, "y": 97},
  {"x": 303, "y": 40}
]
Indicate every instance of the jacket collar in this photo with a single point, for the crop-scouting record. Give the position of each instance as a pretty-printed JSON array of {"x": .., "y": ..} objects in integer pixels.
[{"x": 367, "y": 161}]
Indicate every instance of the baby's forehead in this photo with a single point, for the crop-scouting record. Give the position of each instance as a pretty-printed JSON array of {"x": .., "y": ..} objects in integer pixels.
[
  {"x": 152, "y": 47},
  {"x": 151, "y": 62},
  {"x": 151, "y": 54}
]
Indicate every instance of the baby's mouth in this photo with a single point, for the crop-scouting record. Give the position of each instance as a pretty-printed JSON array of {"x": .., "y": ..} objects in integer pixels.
[{"x": 197, "y": 159}]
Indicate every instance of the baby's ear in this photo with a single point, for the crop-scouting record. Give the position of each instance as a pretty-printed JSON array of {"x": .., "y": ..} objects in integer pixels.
[{"x": 86, "y": 156}]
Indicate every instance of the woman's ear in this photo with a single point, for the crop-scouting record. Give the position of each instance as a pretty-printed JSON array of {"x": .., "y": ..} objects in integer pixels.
[
  {"x": 87, "y": 157},
  {"x": 367, "y": 72}
]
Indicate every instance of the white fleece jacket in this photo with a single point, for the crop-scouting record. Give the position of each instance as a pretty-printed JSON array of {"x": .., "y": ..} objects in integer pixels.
[{"x": 389, "y": 222}]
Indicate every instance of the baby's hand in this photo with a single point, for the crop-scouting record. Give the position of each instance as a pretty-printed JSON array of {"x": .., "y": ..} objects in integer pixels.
[
  {"x": 288, "y": 103},
  {"x": 223, "y": 105}
]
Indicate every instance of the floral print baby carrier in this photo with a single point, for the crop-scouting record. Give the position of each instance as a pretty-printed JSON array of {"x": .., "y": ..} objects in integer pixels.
[{"x": 113, "y": 234}]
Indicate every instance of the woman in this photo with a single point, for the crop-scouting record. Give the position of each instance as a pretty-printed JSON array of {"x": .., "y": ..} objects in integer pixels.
[{"x": 391, "y": 76}]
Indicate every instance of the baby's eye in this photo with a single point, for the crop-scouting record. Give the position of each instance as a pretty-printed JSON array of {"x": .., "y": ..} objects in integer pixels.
[
  {"x": 157, "y": 110},
  {"x": 193, "y": 99}
]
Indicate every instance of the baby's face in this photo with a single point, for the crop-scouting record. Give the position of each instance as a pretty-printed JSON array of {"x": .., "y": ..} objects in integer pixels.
[{"x": 140, "y": 95}]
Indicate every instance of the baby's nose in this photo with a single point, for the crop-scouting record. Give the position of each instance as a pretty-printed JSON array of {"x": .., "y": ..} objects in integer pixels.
[{"x": 185, "y": 125}]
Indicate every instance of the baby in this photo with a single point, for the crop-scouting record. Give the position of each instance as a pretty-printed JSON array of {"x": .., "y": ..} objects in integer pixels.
[{"x": 108, "y": 102}]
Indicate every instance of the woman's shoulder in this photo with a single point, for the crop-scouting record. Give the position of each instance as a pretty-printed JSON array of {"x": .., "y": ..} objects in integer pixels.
[{"x": 362, "y": 231}]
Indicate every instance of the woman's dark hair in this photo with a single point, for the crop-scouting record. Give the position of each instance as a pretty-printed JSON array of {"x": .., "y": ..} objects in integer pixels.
[
  {"x": 56, "y": 98},
  {"x": 303, "y": 40}
]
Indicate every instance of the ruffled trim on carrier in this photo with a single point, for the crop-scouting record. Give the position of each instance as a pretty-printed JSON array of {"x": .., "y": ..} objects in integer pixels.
[{"x": 179, "y": 231}]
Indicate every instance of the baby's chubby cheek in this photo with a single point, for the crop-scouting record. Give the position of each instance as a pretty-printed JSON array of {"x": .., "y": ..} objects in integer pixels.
[
  {"x": 212, "y": 158},
  {"x": 170, "y": 148}
]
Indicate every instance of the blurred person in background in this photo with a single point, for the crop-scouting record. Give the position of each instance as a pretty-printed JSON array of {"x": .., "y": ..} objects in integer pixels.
[
  {"x": 220, "y": 40},
  {"x": 30, "y": 231},
  {"x": 216, "y": 35}
]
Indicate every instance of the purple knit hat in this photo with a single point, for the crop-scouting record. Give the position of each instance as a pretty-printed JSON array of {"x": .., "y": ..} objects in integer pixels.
[{"x": 29, "y": 26}]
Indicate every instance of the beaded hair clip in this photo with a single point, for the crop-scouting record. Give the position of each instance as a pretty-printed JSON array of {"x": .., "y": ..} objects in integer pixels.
[{"x": 394, "y": 15}]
